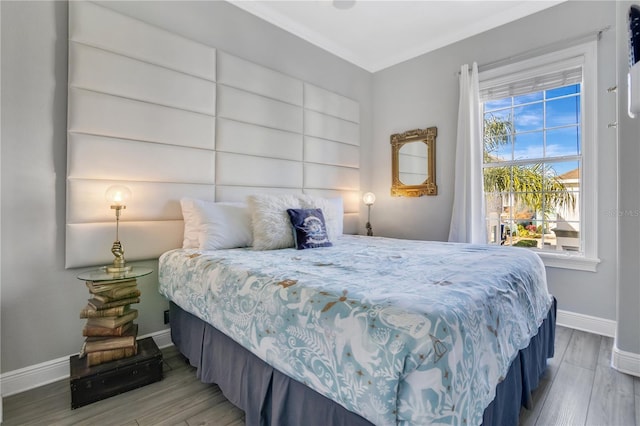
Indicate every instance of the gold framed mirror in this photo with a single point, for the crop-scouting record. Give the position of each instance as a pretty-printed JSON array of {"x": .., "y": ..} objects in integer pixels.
[{"x": 413, "y": 163}]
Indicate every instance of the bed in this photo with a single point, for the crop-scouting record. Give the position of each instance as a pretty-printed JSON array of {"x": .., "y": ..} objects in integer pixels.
[
  {"x": 218, "y": 126},
  {"x": 367, "y": 331}
]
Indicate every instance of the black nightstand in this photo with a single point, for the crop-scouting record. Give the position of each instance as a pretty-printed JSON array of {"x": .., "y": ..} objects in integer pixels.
[{"x": 91, "y": 384}]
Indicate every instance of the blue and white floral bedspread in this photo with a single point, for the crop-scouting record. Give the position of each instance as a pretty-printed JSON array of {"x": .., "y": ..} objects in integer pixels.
[{"x": 398, "y": 331}]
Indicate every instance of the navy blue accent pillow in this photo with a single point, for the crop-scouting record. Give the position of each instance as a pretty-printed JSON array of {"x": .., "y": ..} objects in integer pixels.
[{"x": 309, "y": 229}]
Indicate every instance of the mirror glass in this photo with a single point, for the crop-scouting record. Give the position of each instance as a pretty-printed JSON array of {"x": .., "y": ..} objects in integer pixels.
[{"x": 413, "y": 163}]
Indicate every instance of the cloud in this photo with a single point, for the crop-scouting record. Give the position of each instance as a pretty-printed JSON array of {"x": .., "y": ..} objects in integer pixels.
[{"x": 528, "y": 121}]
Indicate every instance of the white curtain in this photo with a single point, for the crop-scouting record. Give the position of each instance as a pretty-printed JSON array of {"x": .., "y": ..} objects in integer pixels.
[{"x": 468, "y": 218}]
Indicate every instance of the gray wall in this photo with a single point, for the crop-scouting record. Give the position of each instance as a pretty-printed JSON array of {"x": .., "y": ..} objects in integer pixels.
[
  {"x": 628, "y": 332},
  {"x": 424, "y": 92},
  {"x": 40, "y": 299}
]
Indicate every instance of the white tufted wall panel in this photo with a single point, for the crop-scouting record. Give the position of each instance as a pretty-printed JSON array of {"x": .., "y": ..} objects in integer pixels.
[
  {"x": 252, "y": 108},
  {"x": 97, "y": 26},
  {"x": 328, "y": 152},
  {"x": 240, "y": 193},
  {"x": 170, "y": 117},
  {"x": 332, "y": 150},
  {"x": 123, "y": 159},
  {"x": 92, "y": 241},
  {"x": 245, "y": 75},
  {"x": 107, "y": 72},
  {"x": 321, "y": 100},
  {"x": 247, "y": 170},
  {"x": 141, "y": 112},
  {"x": 148, "y": 205},
  {"x": 102, "y": 114}
]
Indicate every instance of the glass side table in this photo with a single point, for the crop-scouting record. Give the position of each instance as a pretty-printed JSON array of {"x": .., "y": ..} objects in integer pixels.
[
  {"x": 101, "y": 274},
  {"x": 110, "y": 330}
]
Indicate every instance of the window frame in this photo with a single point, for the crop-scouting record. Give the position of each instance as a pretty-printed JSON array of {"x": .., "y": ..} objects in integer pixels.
[{"x": 585, "y": 55}]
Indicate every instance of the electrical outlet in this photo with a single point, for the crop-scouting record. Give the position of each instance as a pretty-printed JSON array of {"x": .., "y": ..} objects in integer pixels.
[{"x": 166, "y": 317}]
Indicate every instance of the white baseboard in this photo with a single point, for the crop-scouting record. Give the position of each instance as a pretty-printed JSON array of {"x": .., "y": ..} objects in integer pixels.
[
  {"x": 601, "y": 326},
  {"x": 625, "y": 362},
  {"x": 47, "y": 372}
]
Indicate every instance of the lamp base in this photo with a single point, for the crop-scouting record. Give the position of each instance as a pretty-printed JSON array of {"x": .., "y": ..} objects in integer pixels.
[
  {"x": 369, "y": 230},
  {"x": 119, "y": 265},
  {"x": 119, "y": 269}
]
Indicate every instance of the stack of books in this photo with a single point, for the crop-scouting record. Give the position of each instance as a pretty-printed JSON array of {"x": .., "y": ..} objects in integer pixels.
[{"x": 110, "y": 330}]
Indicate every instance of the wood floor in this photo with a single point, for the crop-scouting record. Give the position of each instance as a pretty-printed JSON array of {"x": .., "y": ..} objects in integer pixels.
[{"x": 578, "y": 388}]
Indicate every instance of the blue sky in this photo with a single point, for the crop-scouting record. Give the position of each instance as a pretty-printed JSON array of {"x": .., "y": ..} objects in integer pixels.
[{"x": 562, "y": 133}]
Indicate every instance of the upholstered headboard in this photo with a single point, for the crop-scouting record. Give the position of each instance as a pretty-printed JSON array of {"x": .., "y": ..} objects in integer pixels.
[{"x": 170, "y": 118}]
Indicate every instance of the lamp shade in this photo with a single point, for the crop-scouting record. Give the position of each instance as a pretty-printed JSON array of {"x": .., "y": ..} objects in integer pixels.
[
  {"x": 369, "y": 198},
  {"x": 118, "y": 195}
]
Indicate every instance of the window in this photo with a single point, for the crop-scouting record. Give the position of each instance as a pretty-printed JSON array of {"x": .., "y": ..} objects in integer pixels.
[{"x": 539, "y": 161}]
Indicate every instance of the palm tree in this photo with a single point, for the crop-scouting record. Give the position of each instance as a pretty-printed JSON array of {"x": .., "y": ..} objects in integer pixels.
[{"x": 537, "y": 186}]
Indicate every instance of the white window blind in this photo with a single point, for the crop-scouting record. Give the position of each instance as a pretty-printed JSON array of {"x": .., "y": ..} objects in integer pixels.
[{"x": 532, "y": 80}]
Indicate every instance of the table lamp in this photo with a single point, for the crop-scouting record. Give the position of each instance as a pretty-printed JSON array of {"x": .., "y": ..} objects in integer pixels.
[
  {"x": 117, "y": 196},
  {"x": 369, "y": 198}
]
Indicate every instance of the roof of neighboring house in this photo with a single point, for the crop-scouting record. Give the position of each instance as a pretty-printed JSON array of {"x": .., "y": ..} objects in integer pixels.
[{"x": 571, "y": 174}]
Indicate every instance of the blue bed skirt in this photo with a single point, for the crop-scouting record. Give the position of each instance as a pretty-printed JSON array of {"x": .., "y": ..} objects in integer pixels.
[{"x": 269, "y": 397}]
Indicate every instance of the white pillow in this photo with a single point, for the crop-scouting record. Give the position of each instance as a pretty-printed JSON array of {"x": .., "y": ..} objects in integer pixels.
[
  {"x": 333, "y": 211},
  {"x": 270, "y": 221},
  {"x": 222, "y": 225},
  {"x": 191, "y": 226}
]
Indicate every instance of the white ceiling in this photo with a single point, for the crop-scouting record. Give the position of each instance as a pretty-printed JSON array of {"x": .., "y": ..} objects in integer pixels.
[{"x": 376, "y": 34}]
